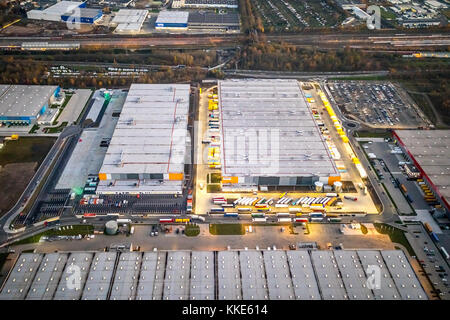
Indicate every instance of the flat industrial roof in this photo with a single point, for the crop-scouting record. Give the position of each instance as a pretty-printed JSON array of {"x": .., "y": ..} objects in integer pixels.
[
  {"x": 100, "y": 276},
  {"x": 431, "y": 150},
  {"x": 150, "y": 136},
  {"x": 212, "y": 2},
  {"x": 278, "y": 275},
  {"x": 353, "y": 275},
  {"x": 47, "y": 277},
  {"x": 84, "y": 13},
  {"x": 229, "y": 278},
  {"x": 130, "y": 16},
  {"x": 126, "y": 276},
  {"x": 22, "y": 100},
  {"x": 328, "y": 277},
  {"x": 176, "y": 281},
  {"x": 20, "y": 277},
  {"x": 63, "y": 7},
  {"x": 67, "y": 287},
  {"x": 172, "y": 17},
  {"x": 209, "y": 18},
  {"x": 194, "y": 275},
  {"x": 304, "y": 280},
  {"x": 202, "y": 275},
  {"x": 254, "y": 285},
  {"x": 403, "y": 275},
  {"x": 129, "y": 19},
  {"x": 268, "y": 130}
]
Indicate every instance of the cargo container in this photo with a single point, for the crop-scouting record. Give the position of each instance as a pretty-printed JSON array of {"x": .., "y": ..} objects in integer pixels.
[
  {"x": 280, "y": 205},
  {"x": 231, "y": 214},
  {"x": 261, "y": 205},
  {"x": 434, "y": 237},
  {"x": 409, "y": 198},
  {"x": 402, "y": 186},
  {"x": 295, "y": 209},
  {"x": 301, "y": 220},
  {"x": 282, "y": 214},
  {"x": 316, "y": 219},
  {"x": 123, "y": 220},
  {"x": 217, "y": 209},
  {"x": 166, "y": 220},
  {"x": 258, "y": 214},
  {"x": 182, "y": 220},
  {"x": 263, "y": 219},
  {"x": 228, "y": 205},
  {"x": 335, "y": 219},
  {"x": 284, "y": 220},
  {"x": 331, "y": 195},
  {"x": 244, "y": 209}
]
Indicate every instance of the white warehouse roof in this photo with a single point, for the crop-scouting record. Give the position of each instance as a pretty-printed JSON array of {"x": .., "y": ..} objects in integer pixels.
[
  {"x": 268, "y": 129},
  {"x": 209, "y": 275},
  {"x": 170, "y": 17},
  {"x": 150, "y": 136}
]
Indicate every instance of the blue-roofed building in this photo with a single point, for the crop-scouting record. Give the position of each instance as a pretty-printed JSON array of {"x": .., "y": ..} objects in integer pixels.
[{"x": 21, "y": 104}]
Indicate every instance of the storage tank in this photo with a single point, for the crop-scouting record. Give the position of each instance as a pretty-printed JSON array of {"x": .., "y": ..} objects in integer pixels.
[
  {"x": 319, "y": 186},
  {"x": 111, "y": 227},
  {"x": 337, "y": 186}
]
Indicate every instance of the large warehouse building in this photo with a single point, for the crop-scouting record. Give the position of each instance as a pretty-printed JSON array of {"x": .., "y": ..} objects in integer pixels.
[
  {"x": 209, "y": 275},
  {"x": 211, "y": 20},
  {"x": 63, "y": 11},
  {"x": 21, "y": 104},
  {"x": 172, "y": 20},
  {"x": 269, "y": 136},
  {"x": 205, "y": 4},
  {"x": 429, "y": 151},
  {"x": 129, "y": 20},
  {"x": 147, "y": 151},
  {"x": 184, "y": 20}
]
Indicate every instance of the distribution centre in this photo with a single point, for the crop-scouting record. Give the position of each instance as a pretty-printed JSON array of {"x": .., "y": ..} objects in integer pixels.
[
  {"x": 147, "y": 150},
  {"x": 214, "y": 275},
  {"x": 22, "y": 104},
  {"x": 269, "y": 136}
]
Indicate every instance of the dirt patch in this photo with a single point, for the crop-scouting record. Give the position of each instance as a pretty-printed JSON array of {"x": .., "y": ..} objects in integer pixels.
[
  {"x": 14, "y": 177},
  {"x": 26, "y": 149}
]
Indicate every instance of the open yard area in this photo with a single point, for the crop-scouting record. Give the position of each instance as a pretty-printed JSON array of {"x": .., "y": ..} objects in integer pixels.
[{"x": 19, "y": 159}]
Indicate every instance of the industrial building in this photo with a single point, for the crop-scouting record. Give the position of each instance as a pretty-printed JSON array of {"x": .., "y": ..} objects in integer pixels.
[
  {"x": 214, "y": 275},
  {"x": 82, "y": 15},
  {"x": 21, "y": 104},
  {"x": 205, "y": 4},
  {"x": 147, "y": 150},
  {"x": 67, "y": 11},
  {"x": 172, "y": 20},
  {"x": 428, "y": 151},
  {"x": 211, "y": 20},
  {"x": 129, "y": 20},
  {"x": 269, "y": 136}
]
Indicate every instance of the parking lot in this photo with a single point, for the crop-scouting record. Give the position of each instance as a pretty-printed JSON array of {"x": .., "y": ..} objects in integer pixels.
[
  {"x": 434, "y": 266},
  {"x": 289, "y": 14},
  {"x": 376, "y": 104},
  {"x": 388, "y": 167}
]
